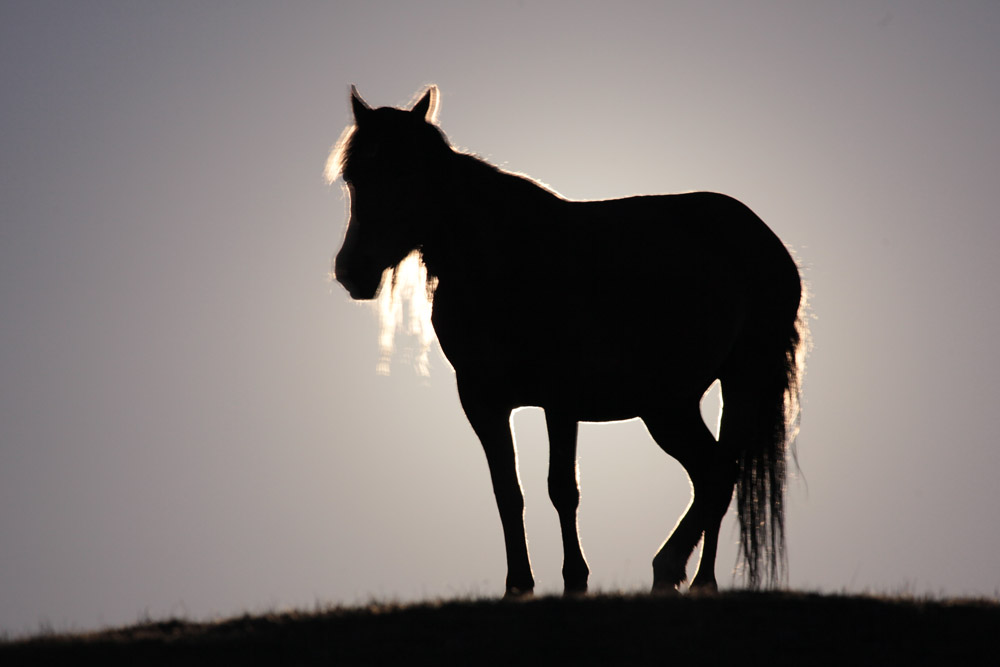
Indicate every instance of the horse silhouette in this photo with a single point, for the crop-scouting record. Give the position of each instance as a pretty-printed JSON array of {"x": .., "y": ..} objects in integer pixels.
[{"x": 594, "y": 311}]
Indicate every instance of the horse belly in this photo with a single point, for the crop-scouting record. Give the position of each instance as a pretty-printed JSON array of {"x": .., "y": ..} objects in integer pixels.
[
  {"x": 614, "y": 365},
  {"x": 609, "y": 384}
]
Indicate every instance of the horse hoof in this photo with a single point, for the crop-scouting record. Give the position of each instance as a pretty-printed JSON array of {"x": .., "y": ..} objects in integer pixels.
[
  {"x": 665, "y": 590},
  {"x": 709, "y": 588},
  {"x": 518, "y": 594}
]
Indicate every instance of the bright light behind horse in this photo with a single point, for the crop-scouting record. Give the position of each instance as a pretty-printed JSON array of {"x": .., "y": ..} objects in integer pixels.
[{"x": 404, "y": 302}]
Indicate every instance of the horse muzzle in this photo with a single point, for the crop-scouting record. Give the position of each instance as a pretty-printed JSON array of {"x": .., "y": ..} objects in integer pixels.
[{"x": 360, "y": 286}]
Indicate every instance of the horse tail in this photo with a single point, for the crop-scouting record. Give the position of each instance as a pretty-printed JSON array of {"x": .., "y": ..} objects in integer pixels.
[{"x": 767, "y": 443}]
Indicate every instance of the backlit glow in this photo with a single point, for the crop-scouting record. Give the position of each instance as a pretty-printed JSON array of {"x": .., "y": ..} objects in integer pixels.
[{"x": 404, "y": 303}]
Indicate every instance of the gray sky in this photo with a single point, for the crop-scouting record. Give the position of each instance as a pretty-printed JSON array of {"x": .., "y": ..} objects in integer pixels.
[{"x": 190, "y": 419}]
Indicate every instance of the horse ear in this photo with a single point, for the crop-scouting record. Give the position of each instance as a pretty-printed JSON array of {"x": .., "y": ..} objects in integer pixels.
[
  {"x": 427, "y": 107},
  {"x": 359, "y": 106}
]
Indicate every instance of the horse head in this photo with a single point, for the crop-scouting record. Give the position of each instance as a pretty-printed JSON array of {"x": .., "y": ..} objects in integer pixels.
[{"x": 388, "y": 160}]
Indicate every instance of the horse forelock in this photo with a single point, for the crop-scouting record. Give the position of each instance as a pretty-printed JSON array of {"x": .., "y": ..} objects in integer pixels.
[
  {"x": 337, "y": 159},
  {"x": 386, "y": 128}
]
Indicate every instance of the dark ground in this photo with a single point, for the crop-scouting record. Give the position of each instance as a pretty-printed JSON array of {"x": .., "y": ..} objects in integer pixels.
[{"x": 761, "y": 628}]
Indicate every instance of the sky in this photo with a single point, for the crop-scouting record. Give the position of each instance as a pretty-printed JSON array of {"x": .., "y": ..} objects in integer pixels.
[{"x": 191, "y": 422}]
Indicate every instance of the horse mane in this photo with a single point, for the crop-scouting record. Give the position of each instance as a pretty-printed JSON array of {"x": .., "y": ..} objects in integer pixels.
[
  {"x": 481, "y": 171},
  {"x": 472, "y": 165}
]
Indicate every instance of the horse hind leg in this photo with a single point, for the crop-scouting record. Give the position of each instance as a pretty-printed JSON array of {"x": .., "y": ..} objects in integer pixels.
[
  {"x": 564, "y": 491},
  {"x": 718, "y": 489},
  {"x": 712, "y": 472}
]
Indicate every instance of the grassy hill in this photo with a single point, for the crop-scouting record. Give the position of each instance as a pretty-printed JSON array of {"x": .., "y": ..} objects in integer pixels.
[{"x": 771, "y": 628}]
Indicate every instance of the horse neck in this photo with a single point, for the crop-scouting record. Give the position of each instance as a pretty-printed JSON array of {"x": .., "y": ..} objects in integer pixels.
[{"x": 481, "y": 212}]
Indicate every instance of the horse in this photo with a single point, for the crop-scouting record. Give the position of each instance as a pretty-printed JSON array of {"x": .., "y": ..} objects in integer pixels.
[{"x": 593, "y": 311}]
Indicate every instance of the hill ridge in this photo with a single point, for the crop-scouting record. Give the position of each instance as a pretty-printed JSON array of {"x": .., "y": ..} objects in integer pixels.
[{"x": 777, "y": 627}]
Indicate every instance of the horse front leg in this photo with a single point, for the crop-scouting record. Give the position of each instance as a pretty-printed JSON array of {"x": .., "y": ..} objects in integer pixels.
[
  {"x": 564, "y": 491},
  {"x": 492, "y": 424}
]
